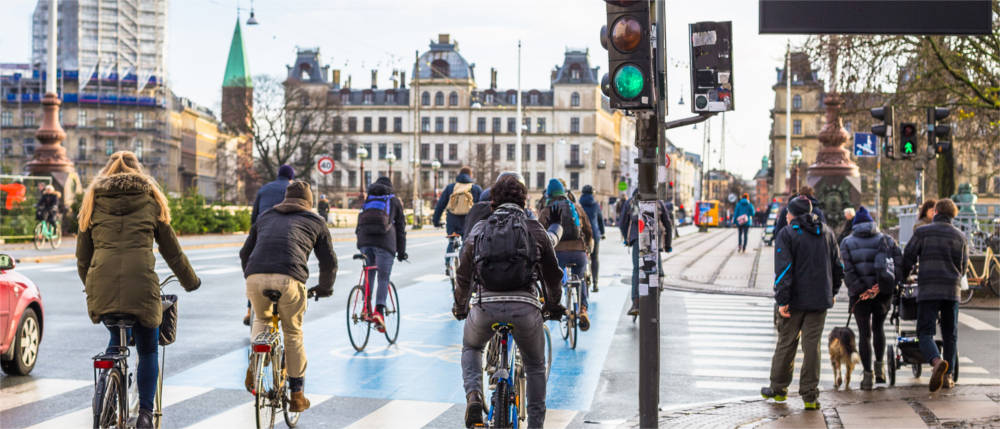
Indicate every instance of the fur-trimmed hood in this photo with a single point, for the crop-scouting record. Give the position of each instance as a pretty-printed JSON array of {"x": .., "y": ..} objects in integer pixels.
[
  {"x": 122, "y": 194},
  {"x": 125, "y": 182}
]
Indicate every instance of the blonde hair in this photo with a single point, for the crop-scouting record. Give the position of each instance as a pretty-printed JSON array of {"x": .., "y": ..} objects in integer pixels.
[{"x": 122, "y": 163}]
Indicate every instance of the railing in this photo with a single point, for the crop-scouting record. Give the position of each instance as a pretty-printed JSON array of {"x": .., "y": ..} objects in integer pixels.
[
  {"x": 575, "y": 163},
  {"x": 977, "y": 221}
]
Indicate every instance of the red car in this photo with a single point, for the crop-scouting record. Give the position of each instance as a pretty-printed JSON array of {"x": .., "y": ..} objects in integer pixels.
[{"x": 20, "y": 320}]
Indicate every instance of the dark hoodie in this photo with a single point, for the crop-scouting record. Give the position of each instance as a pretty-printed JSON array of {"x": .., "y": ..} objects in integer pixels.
[
  {"x": 858, "y": 252},
  {"x": 782, "y": 222},
  {"x": 807, "y": 265},
  {"x": 393, "y": 241},
  {"x": 454, "y": 223},
  {"x": 593, "y": 210}
]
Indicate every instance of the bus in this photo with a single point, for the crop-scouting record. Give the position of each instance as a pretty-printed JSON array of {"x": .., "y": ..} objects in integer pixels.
[{"x": 706, "y": 213}]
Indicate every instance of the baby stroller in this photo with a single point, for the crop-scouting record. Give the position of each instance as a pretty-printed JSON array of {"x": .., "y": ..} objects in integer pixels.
[{"x": 906, "y": 350}]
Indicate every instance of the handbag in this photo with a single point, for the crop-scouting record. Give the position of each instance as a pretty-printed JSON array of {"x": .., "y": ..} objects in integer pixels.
[
  {"x": 964, "y": 283},
  {"x": 168, "y": 323}
]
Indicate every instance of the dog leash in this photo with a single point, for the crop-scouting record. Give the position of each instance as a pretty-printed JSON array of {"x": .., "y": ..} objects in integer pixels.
[{"x": 851, "y": 313}]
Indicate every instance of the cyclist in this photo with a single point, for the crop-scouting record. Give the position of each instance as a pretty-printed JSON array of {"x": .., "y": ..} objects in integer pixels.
[
  {"x": 381, "y": 233},
  {"x": 577, "y": 238},
  {"x": 506, "y": 272},
  {"x": 122, "y": 213},
  {"x": 484, "y": 207},
  {"x": 270, "y": 194},
  {"x": 593, "y": 210},
  {"x": 456, "y": 199},
  {"x": 47, "y": 208},
  {"x": 323, "y": 208},
  {"x": 629, "y": 226},
  {"x": 274, "y": 256}
]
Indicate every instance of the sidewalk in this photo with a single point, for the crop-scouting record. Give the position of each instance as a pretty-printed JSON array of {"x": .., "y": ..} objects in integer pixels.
[
  {"x": 708, "y": 262},
  {"x": 883, "y": 408}
]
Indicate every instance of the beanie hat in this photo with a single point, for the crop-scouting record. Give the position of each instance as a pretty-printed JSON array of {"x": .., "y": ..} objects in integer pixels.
[
  {"x": 299, "y": 190},
  {"x": 800, "y": 206},
  {"x": 587, "y": 189},
  {"x": 862, "y": 215},
  {"x": 286, "y": 171},
  {"x": 555, "y": 188},
  {"x": 384, "y": 181}
]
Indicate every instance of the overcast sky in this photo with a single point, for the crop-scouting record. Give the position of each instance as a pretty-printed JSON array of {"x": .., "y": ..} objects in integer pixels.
[{"x": 356, "y": 36}]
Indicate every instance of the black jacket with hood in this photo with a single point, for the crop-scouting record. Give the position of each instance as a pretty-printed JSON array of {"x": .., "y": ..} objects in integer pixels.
[
  {"x": 393, "y": 241},
  {"x": 807, "y": 265},
  {"x": 782, "y": 222},
  {"x": 943, "y": 254},
  {"x": 858, "y": 252},
  {"x": 454, "y": 223}
]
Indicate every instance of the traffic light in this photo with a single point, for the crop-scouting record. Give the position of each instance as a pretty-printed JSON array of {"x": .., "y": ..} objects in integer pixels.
[
  {"x": 938, "y": 135},
  {"x": 627, "y": 39},
  {"x": 907, "y": 139},
  {"x": 711, "y": 66},
  {"x": 884, "y": 130}
]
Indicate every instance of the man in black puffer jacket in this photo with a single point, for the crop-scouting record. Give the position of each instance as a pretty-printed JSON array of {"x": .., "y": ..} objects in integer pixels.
[
  {"x": 381, "y": 246},
  {"x": 860, "y": 251},
  {"x": 943, "y": 254},
  {"x": 808, "y": 271}
]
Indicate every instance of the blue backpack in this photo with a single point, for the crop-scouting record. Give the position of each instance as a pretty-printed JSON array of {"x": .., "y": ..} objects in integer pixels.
[{"x": 374, "y": 217}]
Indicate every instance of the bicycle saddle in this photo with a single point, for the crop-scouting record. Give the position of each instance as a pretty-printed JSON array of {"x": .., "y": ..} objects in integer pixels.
[
  {"x": 360, "y": 256},
  {"x": 453, "y": 235},
  {"x": 272, "y": 294},
  {"x": 119, "y": 319},
  {"x": 502, "y": 326}
]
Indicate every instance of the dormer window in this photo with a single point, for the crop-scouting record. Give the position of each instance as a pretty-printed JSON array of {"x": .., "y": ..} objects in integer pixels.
[
  {"x": 512, "y": 97},
  {"x": 345, "y": 96},
  {"x": 390, "y": 97},
  {"x": 489, "y": 98},
  {"x": 440, "y": 69},
  {"x": 574, "y": 72},
  {"x": 369, "y": 98},
  {"x": 533, "y": 98}
]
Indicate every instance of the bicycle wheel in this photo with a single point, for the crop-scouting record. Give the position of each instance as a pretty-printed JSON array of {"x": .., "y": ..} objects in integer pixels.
[
  {"x": 358, "y": 329},
  {"x": 501, "y": 406},
  {"x": 564, "y": 323},
  {"x": 39, "y": 237},
  {"x": 56, "y": 238},
  {"x": 994, "y": 279},
  {"x": 453, "y": 272},
  {"x": 263, "y": 391},
  {"x": 548, "y": 350},
  {"x": 573, "y": 306},
  {"x": 520, "y": 391},
  {"x": 109, "y": 400},
  {"x": 291, "y": 417},
  {"x": 391, "y": 314},
  {"x": 966, "y": 295}
]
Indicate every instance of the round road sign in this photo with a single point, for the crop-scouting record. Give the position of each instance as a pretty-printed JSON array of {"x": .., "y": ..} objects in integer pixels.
[{"x": 325, "y": 165}]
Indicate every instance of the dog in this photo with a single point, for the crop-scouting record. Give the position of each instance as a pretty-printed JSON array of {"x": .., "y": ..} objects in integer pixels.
[{"x": 843, "y": 351}]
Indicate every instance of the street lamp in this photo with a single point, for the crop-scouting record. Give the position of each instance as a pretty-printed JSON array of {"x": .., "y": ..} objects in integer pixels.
[
  {"x": 362, "y": 154},
  {"x": 796, "y": 157},
  {"x": 253, "y": 19},
  {"x": 390, "y": 158},
  {"x": 435, "y": 166}
]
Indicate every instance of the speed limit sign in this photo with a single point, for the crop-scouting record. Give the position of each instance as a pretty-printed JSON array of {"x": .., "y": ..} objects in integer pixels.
[{"x": 325, "y": 165}]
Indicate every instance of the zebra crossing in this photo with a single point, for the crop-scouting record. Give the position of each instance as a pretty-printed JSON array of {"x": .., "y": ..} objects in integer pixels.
[{"x": 731, "y": 340}]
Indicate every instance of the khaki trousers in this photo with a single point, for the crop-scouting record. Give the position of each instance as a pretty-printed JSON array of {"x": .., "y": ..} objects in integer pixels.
[
  {"x": 808, "y": 325},
  {"x": 291, "y": 308}
]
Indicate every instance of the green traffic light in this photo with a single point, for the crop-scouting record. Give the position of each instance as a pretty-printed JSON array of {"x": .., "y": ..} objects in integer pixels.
[
  {"x": 908, "y": 147},
  {"x": 628, "y": 81}
]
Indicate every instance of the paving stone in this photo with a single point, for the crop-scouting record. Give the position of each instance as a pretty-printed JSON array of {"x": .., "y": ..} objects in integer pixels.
[
  {"x": 963, "y": 407},
  {"x": 881, "y": 414},
  {"x": 811, "y": 420}
]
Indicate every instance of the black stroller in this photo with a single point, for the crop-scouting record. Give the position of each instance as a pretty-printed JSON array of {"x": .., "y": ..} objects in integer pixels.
[{"x": 906, "y": 350}]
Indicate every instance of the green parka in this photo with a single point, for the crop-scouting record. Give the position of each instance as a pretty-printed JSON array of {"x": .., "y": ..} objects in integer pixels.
[{"x": 115, "y": 257}]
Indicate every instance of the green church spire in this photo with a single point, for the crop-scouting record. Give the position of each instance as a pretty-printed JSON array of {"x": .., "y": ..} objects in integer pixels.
[{"x": 237, "y": 68}]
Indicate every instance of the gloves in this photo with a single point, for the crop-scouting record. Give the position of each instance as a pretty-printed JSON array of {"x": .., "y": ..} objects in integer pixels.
[
  {"x": 555, "y": 215},
  {"x": 604, "y": 237},
  {"x": 437, "y": 224},
  {"x": 553, "y": 311},
  {"x": 402, "y": 256},
  {"x": 459, "y": 313},
  {"x": 320, "y": 292},
  {"x": 195, "y": 287}
]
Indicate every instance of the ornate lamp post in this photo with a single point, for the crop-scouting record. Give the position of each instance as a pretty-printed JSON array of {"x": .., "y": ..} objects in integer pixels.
[
  {"x": 362, "y": 154},
  {"x": 435, "y": 166},
  {"x": 796, "y": 157},
  {"x": 390, "y": 158}
]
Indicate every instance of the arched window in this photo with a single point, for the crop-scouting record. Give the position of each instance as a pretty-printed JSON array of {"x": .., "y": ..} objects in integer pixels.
[
  {"x": 797, "y": 102},
  {"x": 440, "y": 68},
  {"x": 574, "y": 100},
  {"x": 425, "y": 99},
  {"x": 453, "y": 99},
  {"x": 439, "y": 99}
]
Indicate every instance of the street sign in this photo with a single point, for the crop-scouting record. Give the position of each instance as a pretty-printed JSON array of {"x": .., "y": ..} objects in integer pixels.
[
  {"x": 865, "y": 145},
  {"x": 622, "y": 186},
  {"x": 325, "y": 165},
  {"x": 732, "y": 198}
]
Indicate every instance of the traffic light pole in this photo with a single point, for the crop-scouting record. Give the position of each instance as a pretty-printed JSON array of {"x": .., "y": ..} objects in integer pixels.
[{"x": 647, "y": 131}]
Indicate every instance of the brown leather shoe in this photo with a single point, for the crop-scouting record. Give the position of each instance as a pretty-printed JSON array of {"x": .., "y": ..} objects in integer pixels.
[
  {"x": 584, "y": 319},
  {"x": 939, "y": 371},
  {"x": 948, "y": 382},
  {"x": 298, "y": 403},
  {"x": 473, "y": 409},
  {"x": 249, "y": 382}
]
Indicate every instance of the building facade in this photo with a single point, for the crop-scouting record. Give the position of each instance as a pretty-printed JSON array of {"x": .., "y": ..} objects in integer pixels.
[{"x": 806, "y": 120}]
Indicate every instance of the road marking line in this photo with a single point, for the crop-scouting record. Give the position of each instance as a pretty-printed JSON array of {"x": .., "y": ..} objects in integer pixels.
[
  {"x": 963, "y": 359},
  {"x": 741, "y": 373},
  {"x": 725, "y": 323},
  {"x": 85, "y": 417},
  {"x": 431, "y": 278},
  {"x": 402, "y": 414},
  {"x": 223, "y": 270},
  {"x": 243, "y": 415},
  {"x": 59, "y": 269},
  {"x": 975, "y": 323},
  {"x": 731, "y": 330},
  {"x": 974, "y": 380},
  {"x": 962, "y": 370},
  {"x": 37, "y": 390},
  {"x": 558, "y": 419},
  {"x": 727, "y": 385}
]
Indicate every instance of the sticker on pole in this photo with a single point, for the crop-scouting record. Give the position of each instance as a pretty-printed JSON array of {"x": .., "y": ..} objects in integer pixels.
[
  {"x": 325, "y": 165},
  {"x": 865, "y": 145}
]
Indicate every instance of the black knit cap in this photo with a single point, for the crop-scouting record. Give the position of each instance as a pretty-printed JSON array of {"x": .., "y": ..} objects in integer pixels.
[{"x": 800, "y": 206}]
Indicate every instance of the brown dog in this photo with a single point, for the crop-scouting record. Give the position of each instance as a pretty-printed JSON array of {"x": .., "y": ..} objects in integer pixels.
[{"x": 843, "y": 351}]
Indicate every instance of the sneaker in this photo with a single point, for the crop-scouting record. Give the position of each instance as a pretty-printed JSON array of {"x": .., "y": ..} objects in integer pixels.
[
  {"x": 769, "y": 393},
  {"x": 948, "y": 382},
  {"x": 866, "y": 381},
  {"x": 246, "y": 320},
  {"x": 880, "y": 372},
  {"x": 145, "y": 419},
  {"x": 299, "y": 402},
  {"x": 634, "y": 310},
  {"x": 810, "y": 405},
  {"x": 473, "y": 409},
  {"x": 379, "y": 320},
  {"x": 584, "y": 319},
  {"x": 938, "y": 373}
]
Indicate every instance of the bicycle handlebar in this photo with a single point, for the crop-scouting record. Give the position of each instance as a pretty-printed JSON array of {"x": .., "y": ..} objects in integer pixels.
[{"x": 169, "y": 279}]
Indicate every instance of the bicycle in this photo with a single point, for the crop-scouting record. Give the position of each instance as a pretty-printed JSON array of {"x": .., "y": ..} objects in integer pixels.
[
  {"x": 504, "y": 371},
  {"x": 568, "y": 326},
  {"x": 270, "y": 388},
  {"x": 451, "y": 259},
  {"x": 360, "y": 315},
  {"x": 45, "y": 231},
  {"x": 988, "y": 277},
  {"x": 116, "y": 391}
]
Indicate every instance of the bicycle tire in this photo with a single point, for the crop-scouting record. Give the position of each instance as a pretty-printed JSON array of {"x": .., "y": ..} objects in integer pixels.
[
  {"x": 501, "y": 406},
  {"x": 391, "y": 315},
  {"x": 565, "y": 320},
  {"x": 452, "y": 273},
  {"x": 994, "y": 276},
  {"x": 965, "y": 296},
  {"x": 291, "y": 417},
  {"x": 358, "y": 329},
  {"x": 520, "y": 390},
  {"x": 109, "y": 407},
  {"x": 263, "y": 394},
  {"x": 56, "y": 239},
  {"x": 548, "y": 351},
  {"x": 39, "y": 237},
  {"x": 574, "y": 310}
]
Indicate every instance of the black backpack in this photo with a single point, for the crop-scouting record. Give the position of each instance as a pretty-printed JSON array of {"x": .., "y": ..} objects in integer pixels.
[
  {"x": 505, "y": 254},
  {"x": 569, "y": 218},
  {"x": 374, "y": 217},
  {"x": 888, "y": 264}
]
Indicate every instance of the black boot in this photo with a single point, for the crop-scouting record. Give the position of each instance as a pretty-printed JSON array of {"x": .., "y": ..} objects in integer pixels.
[
  {"x": 145, "y": 420},
  {"x": 634, "y": 311},
  {"x": 473, "y": 409}
]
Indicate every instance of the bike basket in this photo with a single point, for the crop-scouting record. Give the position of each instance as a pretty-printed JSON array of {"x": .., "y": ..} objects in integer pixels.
[{"x": 168, "y": 324}]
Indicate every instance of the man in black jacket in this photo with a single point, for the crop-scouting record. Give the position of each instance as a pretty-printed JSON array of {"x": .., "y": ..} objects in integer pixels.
[
  {"x": 808, "y": 272},
  {"x": 274, "y": 257},
  {"x": 381, "y": 246},
  {"x": 943, "y": 254},
  {"x": 805, "y": 191}
]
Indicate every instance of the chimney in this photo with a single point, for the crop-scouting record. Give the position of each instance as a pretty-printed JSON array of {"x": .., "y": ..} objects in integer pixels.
[
  {"x": 493, "y": 78},
  {"x": 336, "y": 78},
  {"x": 402, "y": 79},
  {"x": 395, "y": 79},
  {"x": 444, "y": 38},
  {"x": 374, "y": 79},
  {"x": 348, "y": 85}
]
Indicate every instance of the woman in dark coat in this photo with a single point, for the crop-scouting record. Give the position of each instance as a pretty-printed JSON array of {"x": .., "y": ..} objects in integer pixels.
[{"x": 122, "y": 214}]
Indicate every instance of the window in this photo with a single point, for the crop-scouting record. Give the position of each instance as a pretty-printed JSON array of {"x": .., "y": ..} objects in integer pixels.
[
  {"x": 305, "y": 123},
  {"x": 481, "y": 152},
  {"x": 8, "y": 147},
  {"x": 345, "y": 97},
  {"x": 352, "y": 151},
  {"x": 352, "y": 178},
  {"x": 510, "y": 152},
  {"x": 383, "y": 124},
  {"x": 29, "y": 118},
  {"x": 512, "y": 96},
  {"x": 81, "y": 118},
  {"x": 368, "y": 98},
  {"x": 109, "y": 147},
  {"x": 496, "y": 125},
  {"x": 574, "y": 100},
  {"x": 574, "y": 126},
  {"x": 338, "y": 124},
  {"x": 439, "y": 152},
  {"x": 109, "y": 119},
  {"x": 438, "y": 125},
  {"x": 574, "y": 154},
  {"x": 525, "y": 125},
  {"x": 797, "y": 102},
  {"x": 440, "y": 68},
  {"x": 481, "y": 125},
  {"x": 397, "y": 125},
  {"x": 425, "y": 99},
  {"x": 7, "y": 119},
  {"x": 352, "y": 124},
  {"x": 425, "y": 125},
  {"x": 29, "y": 147},
  {"x": 439, "y": 99},
  {"x": 489, "y": 98},
  {"x": 368, "y": 124},
  {"x": 368, "y": 149},
  {"x": 540, "y": 180},
  {"x": 527, "y": 180},
  {"x": 382, "y": 150},
  {"x": 337, "y": 149},
  {"x": 540, "y": 125},
  {"x": 453, "y": 151},
  {"x": 397, "y": 149},
  {"x": 511, "y": 125},
  {"x": 453, "y": 125},
  {"x": 496, "y": 152},
  {"x": 81, "y": 148},
  {"x": 533, "y": 98},
  {"x": 453, "y": 99},
  {"x": 574, "y": 72},
  {"x": 338, "y": 177},
  {"x": 540, "y": 156},
  {"x": 425, "y": 151},
  {"x": 368, "y": 177},
  {"x": 526, "y": 152},
  {"x": 137, "y": 149},
  {"x": 797, "y": 127},
  {"x": 574, "y": 180},
  {"x": 390, "y": 97}
]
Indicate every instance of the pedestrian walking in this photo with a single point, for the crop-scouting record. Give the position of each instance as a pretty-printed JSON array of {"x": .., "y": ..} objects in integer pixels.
[
  {"x": 804, "y": 191},
  {"x": 744, "y": 214},
  {"x": 628, "y": 224},
  {"x": 943, "y": 255},
  {"x": 848, "y": 227},
  {"x": 323, "y": 208},
  {"x": 809, "y": 272},
  {"x": 593, "y": 209},
  {"x": 381, "y": 236},
  {"x": 871, "y": 259},
  {"x": 926, "y": 214}
]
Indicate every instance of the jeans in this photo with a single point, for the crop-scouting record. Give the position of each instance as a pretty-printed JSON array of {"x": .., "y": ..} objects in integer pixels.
[
  {"x": 870, "y": 317},
  {"x": 291, "y": 309},
  {"x": 146, "y": 343},
  {"x": 594, "y": 265},
  {"x": 635, "y": 270},
  {"x": 809, "y": 326},
  {"x": 530, "y": 340},
  {"x": 579, "y": 258},
  {"x": 927, "y": 315},
  {"x": 382, "y": 259},
  {"x": 743, "y": 230}
]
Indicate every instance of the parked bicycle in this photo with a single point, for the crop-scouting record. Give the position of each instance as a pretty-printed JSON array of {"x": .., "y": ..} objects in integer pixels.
[
  {"x": 270, "y": 391},
  {"x": 451, "y": 264},
  {"x": 116, "y": 393},
  {"x": 359, "y": 308},
  {"x": 47, "y": 232},
  {"x": 986, "y": 277},
  {"x": 571, "y": 296}
]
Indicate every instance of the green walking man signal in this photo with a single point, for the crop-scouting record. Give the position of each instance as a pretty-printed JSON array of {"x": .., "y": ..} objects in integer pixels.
[{"x": 908, "y": 139}]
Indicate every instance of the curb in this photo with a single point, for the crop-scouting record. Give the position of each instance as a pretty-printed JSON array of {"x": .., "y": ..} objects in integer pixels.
[{"x": 718, "y": 291}]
